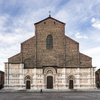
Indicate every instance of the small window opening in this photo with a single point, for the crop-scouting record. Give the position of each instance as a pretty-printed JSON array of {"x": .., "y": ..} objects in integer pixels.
[{"x": 80, "y": 62}]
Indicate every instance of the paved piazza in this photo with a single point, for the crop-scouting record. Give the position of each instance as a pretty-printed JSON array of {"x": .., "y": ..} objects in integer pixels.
[{"x": 51, "y": 96}]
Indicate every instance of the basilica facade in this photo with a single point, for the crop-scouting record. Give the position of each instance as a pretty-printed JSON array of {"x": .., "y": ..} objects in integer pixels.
[{"x": 49, "y": 60}]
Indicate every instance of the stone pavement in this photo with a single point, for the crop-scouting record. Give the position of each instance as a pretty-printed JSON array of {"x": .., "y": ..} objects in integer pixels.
[
  {"x": 49, "y": 95},
  {"x": 49, "y": 90}
]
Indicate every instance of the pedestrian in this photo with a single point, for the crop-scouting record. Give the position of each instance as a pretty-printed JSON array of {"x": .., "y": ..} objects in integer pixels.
[{"x": 41, "y": 91}]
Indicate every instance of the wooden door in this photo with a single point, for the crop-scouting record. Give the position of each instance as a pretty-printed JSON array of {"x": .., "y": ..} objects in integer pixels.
[
  {"x": 27, "y": 84},
  {"x": 49, "y": 82},
  {"x": 70, "y": 84}
]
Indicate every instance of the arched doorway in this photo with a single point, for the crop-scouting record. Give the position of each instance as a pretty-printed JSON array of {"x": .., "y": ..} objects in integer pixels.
[
  {"x": 49, "y": 82},
  {"x": 71, "y": 84},
  {"x": 28, "y": 84},
  {"x": 71, "y": 80}
]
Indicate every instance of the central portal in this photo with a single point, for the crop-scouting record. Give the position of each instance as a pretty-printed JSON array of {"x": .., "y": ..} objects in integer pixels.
[{"x": 49, "y": 82}]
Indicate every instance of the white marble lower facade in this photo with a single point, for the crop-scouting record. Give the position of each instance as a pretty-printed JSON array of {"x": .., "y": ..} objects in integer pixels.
[{"x": 16, "y": 77}]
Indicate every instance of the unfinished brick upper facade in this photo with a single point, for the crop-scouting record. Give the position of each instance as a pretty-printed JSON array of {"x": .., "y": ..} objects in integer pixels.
[{"x": 65, "y": 52}]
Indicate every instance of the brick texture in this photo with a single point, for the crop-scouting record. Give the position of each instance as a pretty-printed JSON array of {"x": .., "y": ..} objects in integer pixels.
[
  {"x": 15, "y": 59},
  {"x": 65, "y": 51},
  {"x": 85, "y": 61}
]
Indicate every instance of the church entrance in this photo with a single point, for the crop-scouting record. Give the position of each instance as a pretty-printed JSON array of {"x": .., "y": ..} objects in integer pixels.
[
  {"x": 70, "y": 84},
  {"x": 28, "y": 84},
  {"x": 49, "y": 82}
]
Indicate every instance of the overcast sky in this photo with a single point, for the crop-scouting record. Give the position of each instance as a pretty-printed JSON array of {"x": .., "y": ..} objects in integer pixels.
[{"x": 82, "y": 18}]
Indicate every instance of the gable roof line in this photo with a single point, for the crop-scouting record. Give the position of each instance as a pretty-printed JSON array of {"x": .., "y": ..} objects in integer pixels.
[
  {"x": 28, "y": 39},
  {"x": 85, "y": 55},
  {"x": 72, "y": 39},
  {"x": 14, "y": 55},
  {"x": 48, "y": 18}
]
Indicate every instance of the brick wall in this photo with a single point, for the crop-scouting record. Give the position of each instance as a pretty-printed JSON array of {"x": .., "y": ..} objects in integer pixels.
[
  {"x": 65, "y": 51},
  {"x": 72, "y": 53},
  {"x": 15, "y": 59},
  {"x": 28, "y": 49},
  {"x": 55, "y": 56},
  {"x": 85, "y": 61}
]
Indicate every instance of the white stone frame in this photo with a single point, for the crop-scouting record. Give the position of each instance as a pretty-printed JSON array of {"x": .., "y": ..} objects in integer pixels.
[
  {"x": 71, "y": 77},
  {"x": 49, "y": 74},
  {"x": 25, "y": 80}
]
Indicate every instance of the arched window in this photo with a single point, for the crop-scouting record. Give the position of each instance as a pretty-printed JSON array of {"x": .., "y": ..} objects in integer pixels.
[{"x": 49, "y": 42}]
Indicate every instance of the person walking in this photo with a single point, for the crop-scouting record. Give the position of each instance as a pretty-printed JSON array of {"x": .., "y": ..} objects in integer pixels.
[{"x": 41, "y": 91}]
